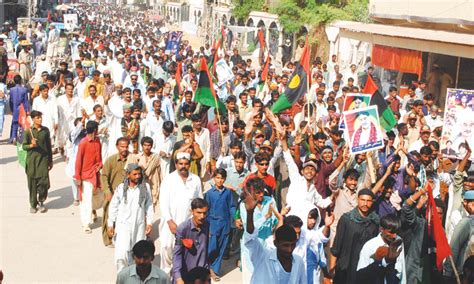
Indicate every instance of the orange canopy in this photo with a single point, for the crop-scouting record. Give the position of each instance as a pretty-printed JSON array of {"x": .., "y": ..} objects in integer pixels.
[{"x": 403, "y": 60}]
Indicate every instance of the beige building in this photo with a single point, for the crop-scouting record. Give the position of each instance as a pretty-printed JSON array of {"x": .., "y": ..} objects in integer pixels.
[{"x": 443, "y": 31}]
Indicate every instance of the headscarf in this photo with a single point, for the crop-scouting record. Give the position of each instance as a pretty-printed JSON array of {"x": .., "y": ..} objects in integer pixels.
[{"x": 141, "y": 184}]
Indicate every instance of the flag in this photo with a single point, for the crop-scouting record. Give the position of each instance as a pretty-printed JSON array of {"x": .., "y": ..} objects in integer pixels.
[
  {"x": 177, "y": 87},
  {"x": 264, "y": 74},
  {"x": 21, "y": 154},
  {"x": 23, "y": 120},
  {"x": 296, "y": 88},
  {"x": 304, "y": 61},
  {"x": 205, "y": 93},
  {"x": 87, "y": 33},
  {"x": 261, "y": 39},
  {"x": 436, "y": 230},
  {"x": 387, "y": 119}
]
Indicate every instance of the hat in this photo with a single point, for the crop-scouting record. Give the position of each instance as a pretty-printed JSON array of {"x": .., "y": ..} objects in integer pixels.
[
  {"x": 120, "y": 56},
  {"x": 266, "y": 144},
  {"x": 106, "y": 72},
  {"x": 183, "y": 155},
  {"x": 127, "y": 106},
  {"x": 469, "y": 195},
  {"x": 438, "y": 123},
  {"x": 425, "y": 129},
  {"x": 310, "y": 163},
  {"x": 288, "y": 41},
  {"x": 25, "y": 42},
  {"x": 131, "y": 167},
  {"x": 412, "y": 115},
  {"x": 326, "y": 149},
  {"x": 43, "y": 56}
]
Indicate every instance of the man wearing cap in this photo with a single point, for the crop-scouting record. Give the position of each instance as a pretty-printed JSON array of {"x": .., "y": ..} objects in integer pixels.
[
  {"x": 462, "y": 241},
  {"x": 424, "y": 139},
  {"x": 178, "y": 189},
  {"x": 131, "y": 210},
  {"x": 302, "y": 194},
  {"x": 354, "y": 229},
  {"x": 39, "y": 161},
  {"x": 113, "y": 173},
  {"x": 53, "y": 40},
  {"x": 413, "y": 129}
]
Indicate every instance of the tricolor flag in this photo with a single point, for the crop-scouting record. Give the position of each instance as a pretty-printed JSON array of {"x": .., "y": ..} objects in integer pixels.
[
  {"x": 387, "y": 119},
  {"x": 205, "y": 93},
  {"x": 178, "y": 75},
  {"x": 296, "y": 88},
  {"x": 436, "y": 230}
]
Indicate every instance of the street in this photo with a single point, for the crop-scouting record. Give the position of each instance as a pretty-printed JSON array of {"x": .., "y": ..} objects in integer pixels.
[{"x": 52, "y": 247}]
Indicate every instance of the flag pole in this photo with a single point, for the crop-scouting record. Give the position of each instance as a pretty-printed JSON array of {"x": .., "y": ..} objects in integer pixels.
[
  {"x": 219, "y": 121},
  {"x": 458, "y": 280}
]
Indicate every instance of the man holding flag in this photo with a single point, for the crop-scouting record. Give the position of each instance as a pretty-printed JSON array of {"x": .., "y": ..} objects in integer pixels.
[{"x": 39, "y": 161}]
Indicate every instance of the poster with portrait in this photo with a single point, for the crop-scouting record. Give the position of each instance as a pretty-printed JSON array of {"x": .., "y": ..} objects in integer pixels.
[
  {"x": 70, "y": 21},
  {"x": 224, "y": 72},
  {"x": 458, "y": 124},
  {"x": 351, "y": 102},
  {"x": 173, "y": 42},
  {"x": 363, "y": 130}
]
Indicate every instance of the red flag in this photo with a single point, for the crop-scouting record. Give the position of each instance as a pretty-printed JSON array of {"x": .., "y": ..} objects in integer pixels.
[
  {"x": 436, "y": 230},
  {"x": 216, "y": 56},
  {"x": 304, "y": 61},
  {"x": 49, "y": 17},
  {"x": 370, "y": 86},
  {"x": 23, "y": 120},
  {"x": 265, "y": 69},
  {"x": 261, "y": 39}
]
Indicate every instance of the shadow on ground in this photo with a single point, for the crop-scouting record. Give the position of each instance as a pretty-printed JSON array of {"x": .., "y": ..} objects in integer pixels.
[{"x": 64, "y": 199}]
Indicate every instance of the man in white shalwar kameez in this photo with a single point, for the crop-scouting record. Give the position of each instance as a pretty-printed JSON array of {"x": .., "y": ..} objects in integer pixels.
[
  {"x": 69, "y": 110},
  {"x": 163, "y": 143},
  {"x": 48, "y": 106},
  {"x": 114, "y": 113},
  {"x": 131, "y": 209},
  {"x": 178, "y": 189}
]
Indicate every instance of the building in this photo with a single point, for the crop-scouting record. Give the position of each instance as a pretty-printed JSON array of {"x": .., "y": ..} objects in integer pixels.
[{"x": 438, "y": 38}]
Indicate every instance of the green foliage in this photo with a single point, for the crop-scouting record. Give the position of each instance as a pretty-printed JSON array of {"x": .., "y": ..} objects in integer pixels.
[
  {"x": 295, "y": 13},
  {"x": 242, "y": 8}
]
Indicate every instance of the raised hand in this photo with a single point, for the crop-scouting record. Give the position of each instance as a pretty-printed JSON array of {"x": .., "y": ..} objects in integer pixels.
[
  {"x": 249, "y": 201},
  {"x": 329, "y": 219},
  {"x": 394, "y": 250}
]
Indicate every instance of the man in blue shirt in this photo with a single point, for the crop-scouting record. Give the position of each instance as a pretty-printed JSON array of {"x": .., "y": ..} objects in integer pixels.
[
  {"x": 192, "y": 238},
  {"x": 18, "y": 97},
  {"x": 221, "y": 211}
]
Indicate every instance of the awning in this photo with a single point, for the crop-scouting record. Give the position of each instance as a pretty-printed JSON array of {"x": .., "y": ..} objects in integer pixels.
[{"x": 442, "y": 42}]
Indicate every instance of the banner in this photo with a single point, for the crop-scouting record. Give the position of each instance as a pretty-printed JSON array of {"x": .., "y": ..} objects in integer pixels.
[
  {"x": 403, "y": 60},
  {"x": 173, "y": 43},
  {"x": 351, "y": 102},
  {"x": 224, "y": 72},
  {"x": 458, "y": 123},
  {"x": 363, "y": 130}
]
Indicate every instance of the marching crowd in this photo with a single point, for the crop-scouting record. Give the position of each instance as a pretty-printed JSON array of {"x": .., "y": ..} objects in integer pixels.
[{"x": 280, "y": 190}]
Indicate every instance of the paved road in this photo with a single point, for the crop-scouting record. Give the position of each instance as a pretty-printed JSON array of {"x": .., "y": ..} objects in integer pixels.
[{"x": 51, "y": 247}]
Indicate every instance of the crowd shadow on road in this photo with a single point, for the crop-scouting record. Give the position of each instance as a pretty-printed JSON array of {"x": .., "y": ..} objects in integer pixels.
[
  {"x": 7, "y": 160},
  {"x": 64, "y": 199}
]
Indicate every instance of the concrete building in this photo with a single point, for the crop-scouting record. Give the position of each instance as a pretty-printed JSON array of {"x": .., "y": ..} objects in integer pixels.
[{"x": 441, "y": 32}]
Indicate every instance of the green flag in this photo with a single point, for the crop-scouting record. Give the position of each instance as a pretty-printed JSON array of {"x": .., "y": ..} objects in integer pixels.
[
  {"x": 296, "y": 88},
  {"x": 21, "y": 155}
]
